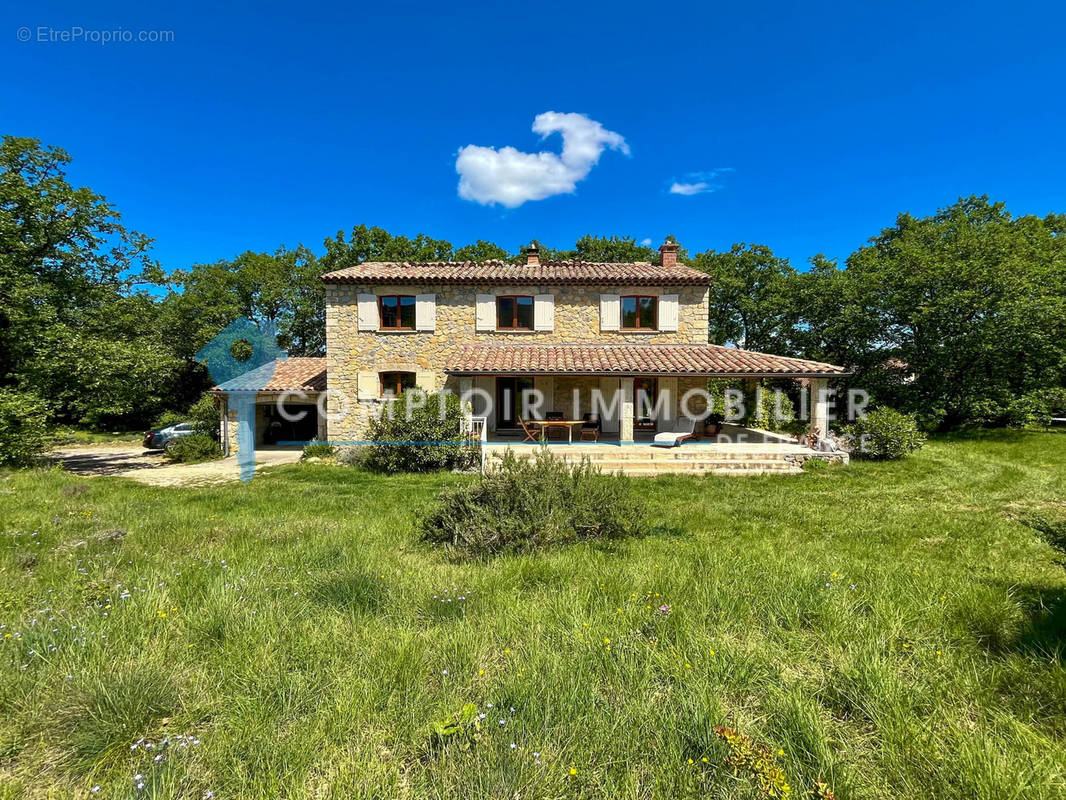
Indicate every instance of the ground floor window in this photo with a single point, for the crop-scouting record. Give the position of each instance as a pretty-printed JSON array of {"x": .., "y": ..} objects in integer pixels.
[{"x": 394, "y": 384}]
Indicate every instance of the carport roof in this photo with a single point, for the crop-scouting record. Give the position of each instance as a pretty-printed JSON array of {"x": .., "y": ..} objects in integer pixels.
[{"x": 288, "y": 375}]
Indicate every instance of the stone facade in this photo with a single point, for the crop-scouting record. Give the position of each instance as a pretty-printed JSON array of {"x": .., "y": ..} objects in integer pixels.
[{"x": 354, "y": 358}]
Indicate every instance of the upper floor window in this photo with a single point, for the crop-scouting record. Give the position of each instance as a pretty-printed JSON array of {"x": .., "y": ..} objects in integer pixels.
[
  {"x": 638, "y": 312},
  {"x": 397, "y": 312},
  {"x": 514, "y": 312},
  {"x": 393, "y": 384}
]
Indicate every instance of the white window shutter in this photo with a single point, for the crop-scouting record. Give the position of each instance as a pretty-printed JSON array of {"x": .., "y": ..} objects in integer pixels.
[
  {"x": 425, "y": 312},
  {"x": 426, "y": 380},
  {"x": 610, "y": 312},
  {"x": 544, "y": 312},
  {"x": 369, "y": 385},
  {"x": 668, "y": 312},
  {"x": 368, "y": 312},
  {"x": 486, "y": 312}
]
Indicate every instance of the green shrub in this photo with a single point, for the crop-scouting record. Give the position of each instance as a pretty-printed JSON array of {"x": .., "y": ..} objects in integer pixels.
[
  {"x": 1007, "y": 412},
  {"x": 317, "y": 449},
  {"x": 528, "y": 504},
  {"x": 1019, "y": 411},
  {"x": 885, "y": 434},
  {"x": 23, "y": 428},
  {"x": 193, "y": 449},
  {"x": 418, "y": 433}
]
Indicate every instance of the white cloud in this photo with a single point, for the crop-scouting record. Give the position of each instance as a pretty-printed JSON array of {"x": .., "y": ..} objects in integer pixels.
[
  {"x": 646, "y": 242},
  {"x": 510, "y": 177},
  {"x": 690, "y": 188},
  {"x": 699, "y": 182}
]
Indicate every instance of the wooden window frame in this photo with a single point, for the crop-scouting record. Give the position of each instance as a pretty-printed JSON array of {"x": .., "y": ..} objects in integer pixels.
[
  {"x": 399, "y": 312},
  {"x": 515, "y": 326},
  {"x": 399, "y": 382},
  {"x": 638, "y": 297}
]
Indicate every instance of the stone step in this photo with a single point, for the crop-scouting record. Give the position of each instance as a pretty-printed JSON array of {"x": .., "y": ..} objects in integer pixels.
[
  {"x": 697, "y": 466},
  {"x": 652, "y": 473},
  {"x": 665, "y": 457},
  {"x": 754, "y": 464}
]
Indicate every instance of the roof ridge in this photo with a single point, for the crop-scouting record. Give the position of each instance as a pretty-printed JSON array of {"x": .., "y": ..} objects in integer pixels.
[{"x": 572, "y": 271}]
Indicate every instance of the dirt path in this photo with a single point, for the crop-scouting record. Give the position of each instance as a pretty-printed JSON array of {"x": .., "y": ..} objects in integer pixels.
[{"x": 149, "y": 466}]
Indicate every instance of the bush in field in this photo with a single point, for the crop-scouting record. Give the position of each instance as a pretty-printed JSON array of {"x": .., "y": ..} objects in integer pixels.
[
  {"x": 1015, "y": 412},
  {"x": 1020, "y": 411},
  {"x": 885, "y": 434},
  {"x": 193, "y": 449},
  {"x": 525, "y": 505},
  {"x": 317, "y": 449},
  {"x": 23, "y": 428},
  {"x": 418, "y": 432}
]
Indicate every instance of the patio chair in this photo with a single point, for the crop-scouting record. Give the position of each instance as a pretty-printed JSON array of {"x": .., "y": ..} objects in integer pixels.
[
  {"x": 590, "y": 427},
  {"x": 555, "y": 431},
  {"x": 531, "y": 430},
  {"x": 685, "y": 429}
]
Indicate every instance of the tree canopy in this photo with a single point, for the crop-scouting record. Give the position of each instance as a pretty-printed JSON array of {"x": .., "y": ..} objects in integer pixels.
[{"x": 74, "y": 329}]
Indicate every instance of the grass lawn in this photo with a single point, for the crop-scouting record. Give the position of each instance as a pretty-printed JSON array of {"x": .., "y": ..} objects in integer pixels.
[{"x": 889, "y": 629}]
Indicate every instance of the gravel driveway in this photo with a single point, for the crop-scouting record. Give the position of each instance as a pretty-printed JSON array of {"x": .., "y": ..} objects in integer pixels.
[{"x": 149, "y": 466}]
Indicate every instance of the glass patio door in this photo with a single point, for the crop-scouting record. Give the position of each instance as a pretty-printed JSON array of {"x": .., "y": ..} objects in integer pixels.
[{"x": 509, "y": 400}]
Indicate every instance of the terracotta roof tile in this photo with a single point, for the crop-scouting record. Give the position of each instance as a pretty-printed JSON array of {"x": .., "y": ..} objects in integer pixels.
[
  {"x": 646, "y": 359},
  {"x": 291, "y": 374},
  {"x": 640, "y": 273}
]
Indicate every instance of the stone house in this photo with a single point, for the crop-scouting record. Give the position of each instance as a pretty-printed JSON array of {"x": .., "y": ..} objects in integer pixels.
[
  {"x": 627, "y": 342},
  {"x": 634, "y": 333}
]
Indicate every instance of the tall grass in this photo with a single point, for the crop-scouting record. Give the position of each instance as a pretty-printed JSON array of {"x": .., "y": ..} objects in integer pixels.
[{"x": 890, "y": 629}]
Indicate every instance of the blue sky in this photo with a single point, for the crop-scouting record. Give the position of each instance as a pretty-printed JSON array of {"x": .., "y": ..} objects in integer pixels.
[{"x": 263, "y": 123}]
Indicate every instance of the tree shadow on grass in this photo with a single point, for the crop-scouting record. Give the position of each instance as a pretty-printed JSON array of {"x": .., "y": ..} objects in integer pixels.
[
  {"x": 1045, "y": 632},
  {"x": 1030, "y": 644},
  {"x": 1009, "y": 435},
  {"x": 1034, "y": 623}
]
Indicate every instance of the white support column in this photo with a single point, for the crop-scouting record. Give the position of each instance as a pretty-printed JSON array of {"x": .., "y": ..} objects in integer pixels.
[
  {"x": 625, "y": 428},
  {"x": 668, "y": 396},
  {"x": 751, "y": 389},
  {"x": 819, "y": 405},
  {"x": 465, "y": 386},
  {"x": 223, "y": 425}
]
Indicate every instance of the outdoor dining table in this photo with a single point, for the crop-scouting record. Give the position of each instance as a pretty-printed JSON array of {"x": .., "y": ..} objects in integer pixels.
[{"x": 569, "y": 424}]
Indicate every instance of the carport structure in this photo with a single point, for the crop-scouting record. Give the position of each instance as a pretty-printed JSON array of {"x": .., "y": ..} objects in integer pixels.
[{"x": 296, "y": 382}]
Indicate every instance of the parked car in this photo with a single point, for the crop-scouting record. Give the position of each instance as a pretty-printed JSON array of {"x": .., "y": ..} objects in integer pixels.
[{"x": 162, "y": 438}]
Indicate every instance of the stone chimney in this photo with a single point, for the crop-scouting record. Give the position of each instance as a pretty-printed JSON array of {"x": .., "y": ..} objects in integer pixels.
[
  {"x": 669, "y": 252},
  {"x": 533, "y": 254}
]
